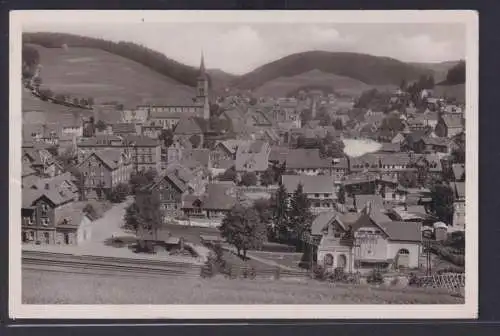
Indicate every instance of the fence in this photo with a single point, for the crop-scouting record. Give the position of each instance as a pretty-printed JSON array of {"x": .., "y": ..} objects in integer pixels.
[
  {"x": 244, "y": 272},
  {"x": 453, "y": 282}
]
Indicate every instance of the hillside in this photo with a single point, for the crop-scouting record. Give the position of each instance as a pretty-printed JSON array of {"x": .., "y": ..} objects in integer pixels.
[
  {"x": 91, "y": 72},
  {"x": 282, "y": 86},
  {"x": 440, "y": 69},
  {"x": 368, "y": 69}
]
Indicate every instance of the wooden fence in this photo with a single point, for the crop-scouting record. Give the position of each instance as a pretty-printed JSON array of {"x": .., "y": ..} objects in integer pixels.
[{"x": 453, "y": 282}]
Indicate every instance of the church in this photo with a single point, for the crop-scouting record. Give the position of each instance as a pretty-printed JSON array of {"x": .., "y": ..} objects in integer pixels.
[{"x": 168, "y": 115}]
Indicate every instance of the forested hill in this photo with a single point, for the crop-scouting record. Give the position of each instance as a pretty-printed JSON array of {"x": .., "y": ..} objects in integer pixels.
[
  {"x": 152, "y": 59},
  {"x": 368, "y": 69}
]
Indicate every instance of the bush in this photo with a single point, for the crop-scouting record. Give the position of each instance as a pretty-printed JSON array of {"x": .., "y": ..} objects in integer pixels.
[
  {"x": 319, "y": 273},
  {"x": 207, "y": 270},
  {"x": 89, "y": 209},
  {"x": 375, "y": 277}
]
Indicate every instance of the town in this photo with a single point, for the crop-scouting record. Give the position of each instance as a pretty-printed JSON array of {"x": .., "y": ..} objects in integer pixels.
[{"x": 361, "y": 190}]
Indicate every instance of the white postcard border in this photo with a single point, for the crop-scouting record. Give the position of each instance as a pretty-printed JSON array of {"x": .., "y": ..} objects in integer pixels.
[{"x": 18, "y": 310}]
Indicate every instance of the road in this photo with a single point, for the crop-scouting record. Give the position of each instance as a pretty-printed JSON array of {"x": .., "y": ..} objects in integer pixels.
[{"x": 109, "y": 225}]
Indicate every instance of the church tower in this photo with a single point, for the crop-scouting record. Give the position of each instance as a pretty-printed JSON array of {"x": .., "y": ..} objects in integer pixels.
[{"x": 202, "y": 95}]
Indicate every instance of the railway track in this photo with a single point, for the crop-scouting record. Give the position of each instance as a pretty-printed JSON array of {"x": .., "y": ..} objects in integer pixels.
[{"x": 106, "y": 265}]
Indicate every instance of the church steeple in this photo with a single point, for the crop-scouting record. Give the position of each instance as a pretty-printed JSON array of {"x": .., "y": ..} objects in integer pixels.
[
  {"x": 203, "y": 73},
  {"x": 202, "y": 95}
]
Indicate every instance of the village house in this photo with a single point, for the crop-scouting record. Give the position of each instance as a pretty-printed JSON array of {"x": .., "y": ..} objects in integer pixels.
[
  {"x": 320, "y": 190},
  {"x": 175, "y": 182},
  {"x": 65, "y": 182},
  {"x": 139, "y": 115},
  {"x": 458, "y": 204},
  {"x": 192, "y": 129},
  {"x": 449, "y": 125},
  {"x": 45, "y": 215},
  {"x": 151, "y": 129},
  {"x": 252, "y": 157},
  {"x": 371, "y": 241},
  {"x": 168, "y": 119},
  {"x": 287, "y": 110},
  {"x": 103, "y": 170},
  {"x": 42, "y": 161},
  {"x": 223, "y": 154},
  {"x": 212, "y": 206},
  {"x": 428, "y": 144},
  {"x": 309, "y": 162},
  {"x": 145, "y": 152}
]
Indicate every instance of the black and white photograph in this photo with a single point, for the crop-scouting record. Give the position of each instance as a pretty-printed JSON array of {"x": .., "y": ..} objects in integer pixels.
[{"x": 251, "y": 164}]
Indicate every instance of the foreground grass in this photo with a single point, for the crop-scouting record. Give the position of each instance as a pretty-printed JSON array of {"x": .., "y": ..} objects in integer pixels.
[{"x": 41, "y": 287}]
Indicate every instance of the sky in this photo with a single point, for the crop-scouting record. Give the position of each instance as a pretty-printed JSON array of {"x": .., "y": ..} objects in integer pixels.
[{"x": 241, "y": 47}]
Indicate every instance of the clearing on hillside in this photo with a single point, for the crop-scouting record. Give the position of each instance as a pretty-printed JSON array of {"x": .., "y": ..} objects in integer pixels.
[{"x": 88, "y": 72}]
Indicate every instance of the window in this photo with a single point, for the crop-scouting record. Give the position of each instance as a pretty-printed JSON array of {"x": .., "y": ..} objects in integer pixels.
[
  {"x": 403, "y": 251},
  {"x": 328, "y": 260},
  {"x": 317, "y": 204},
  {"x": 326, "y": 195},
  {"x": 45, "y": 221},
  {"x": 316, "y": 195}
]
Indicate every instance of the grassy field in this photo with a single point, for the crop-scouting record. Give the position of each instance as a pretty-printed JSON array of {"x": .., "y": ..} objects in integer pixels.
[
  {"x": 64, "y": 288},
  {"x": 87, "y": 72}
]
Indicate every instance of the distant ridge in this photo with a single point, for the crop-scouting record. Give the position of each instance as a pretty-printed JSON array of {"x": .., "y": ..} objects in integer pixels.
[{"x": 368, "y": 69}]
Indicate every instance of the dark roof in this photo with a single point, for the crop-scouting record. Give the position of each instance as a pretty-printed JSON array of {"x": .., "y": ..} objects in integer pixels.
[
  {"x": 390, "y": 147},
  {"x": 278, "y": 154},
  {"x": 452, "y": 121},
  {"x": 218, "y": 196},
  {"x": 123, "y": 128},
  {"x": 321, "y": 221},
  {"x": 398, "y": 231},
  {"x": 306, "y": 158},
  {"x": 189, "y": 126},
  {"x": 435, "y": 141}
]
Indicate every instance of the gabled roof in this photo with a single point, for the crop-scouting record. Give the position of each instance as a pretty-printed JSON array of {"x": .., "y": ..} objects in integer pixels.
[
  {"x": 27, "y": 170},
  {"x": 170, "y": 115},
  {"x": 458, "y": 170},
  {"x": 55, "y": 196},
  {"x": 140, "y": 141},
  {"x": 202, "y": 156},
  {"x": 390, "y": 147},
  {"x": 311, "y": 184},
  {"x": 452, "y": 121},
  {"x": 321, "y": 221},
  {"x": 458, "y": 189},
  {"x": 190, "y": 126},
  {"x": 110, "y": 157},
  {"x": 435, "y": 141},
  {"x": 278, "y": 154},
  {"x": 252, "y": 156},
  {"x": 396, "y": 231},
  {"x": 219, "y": 196}
]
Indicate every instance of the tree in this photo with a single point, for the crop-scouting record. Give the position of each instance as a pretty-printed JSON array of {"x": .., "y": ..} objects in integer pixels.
[
  {"x": 330, "y": 147},
  {"x": 407, "y": 179},
  {"x": 249, "y": 179},
  {"x": 131, "y": 217},
  {"x": 456, "y": 75},
  {"x": 324, "y": 118},
  {"x": 140, "y": 179},
  {"x": 404, "y": 85},
  {"x": 300, "y": 214},
  {"x": 149, "y": 213},
  {"x": 339, "y": 126},
  {"x": 60, "y": 97},
  {"x": 83, "y": 102},
  {"x": 280, "y": 211},
  {"x": 243, "y": 229},
  {"x": 101, "y": 125},
  {"x": 341, "y": 195},
  {"x": 442, "y": 202},
  {"x": 90, "y": 101},
  {"x": 393, "y": 124},
  {"x": 119, "y": 193},
  {"x": 228, "y": 175},
  {"x": 268, "y": 177},
  {"x": 46, "y": 93},
  {"x": 89, "y": 210},
  {"x": 263, "y": 208},
  {"x": 76, "y": 101},
  {"x": 37, "y": 81},
  {"x": 305, "y": 116},
  {"x": 167, "y": 136},
  {"x": 195, "y": 140}
]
